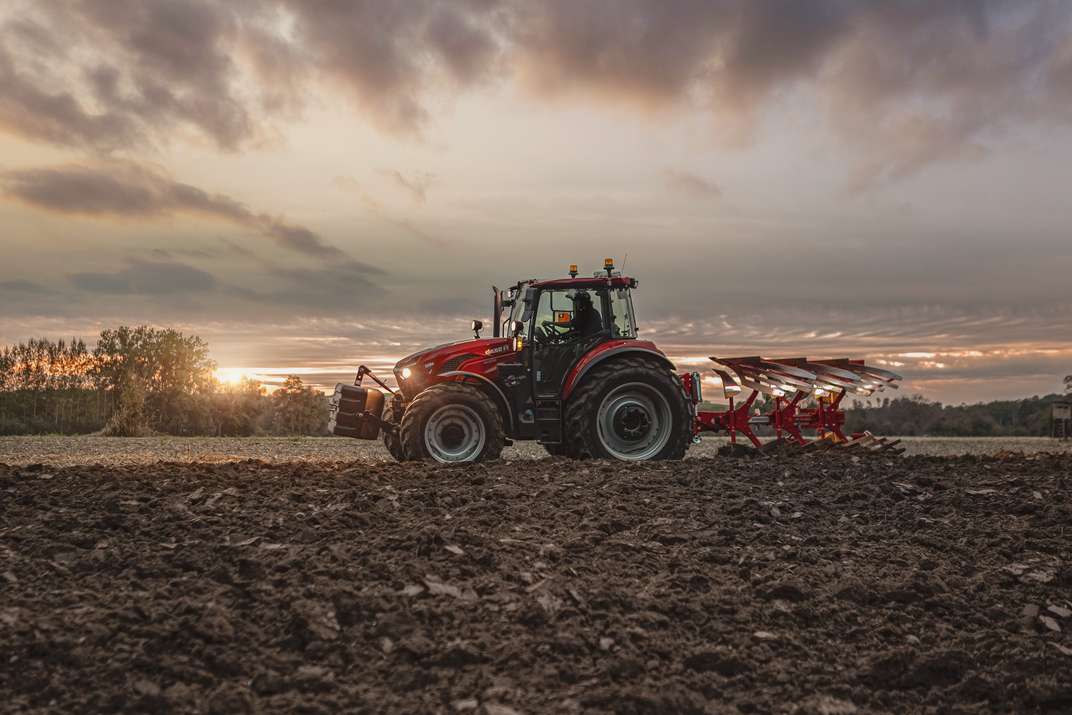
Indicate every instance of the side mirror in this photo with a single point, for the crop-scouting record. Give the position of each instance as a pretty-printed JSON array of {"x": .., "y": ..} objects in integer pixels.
[{"x": 477, "y": 326}]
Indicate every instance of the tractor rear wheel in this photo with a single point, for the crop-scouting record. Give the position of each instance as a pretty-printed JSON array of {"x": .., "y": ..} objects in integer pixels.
[
  {"x": 452, "y": 422},
  {"x": 631, "y": 409}
]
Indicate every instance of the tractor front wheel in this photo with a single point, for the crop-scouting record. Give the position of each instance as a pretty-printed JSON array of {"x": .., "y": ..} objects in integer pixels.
[
  {"x": 392, "y": 439},
  {"x": 452, "y": 422},
  {"x": 393, "y": 443},
  {"x": 631, "y": 409}
]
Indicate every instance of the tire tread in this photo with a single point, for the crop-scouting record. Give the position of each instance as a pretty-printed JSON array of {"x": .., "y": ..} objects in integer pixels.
[
  {"x": 435, "y": 396},
  {"x": 582, "y": 408}
]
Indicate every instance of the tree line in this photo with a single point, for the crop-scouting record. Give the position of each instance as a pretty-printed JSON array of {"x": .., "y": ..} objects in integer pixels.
[
  {"x": 143, "y": 380},
  {"x": 146, "y": 380},
  {"x": 910, "y": 416}
]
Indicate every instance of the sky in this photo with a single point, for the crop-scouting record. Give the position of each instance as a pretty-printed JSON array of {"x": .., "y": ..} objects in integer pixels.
[{"x": 312, "y": 185}]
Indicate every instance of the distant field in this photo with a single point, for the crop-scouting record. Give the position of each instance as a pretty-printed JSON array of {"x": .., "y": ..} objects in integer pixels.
[{"x": 63, "y": 451}]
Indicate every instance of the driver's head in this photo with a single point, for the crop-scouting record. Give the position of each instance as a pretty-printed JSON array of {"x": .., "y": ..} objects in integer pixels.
[{"x": 582, "y": 300}]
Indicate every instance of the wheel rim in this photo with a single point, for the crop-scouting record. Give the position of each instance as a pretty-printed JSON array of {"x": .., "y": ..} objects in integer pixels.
[
  {"x": 454, "y": 433},
  {"x": 634, "y": 421}
]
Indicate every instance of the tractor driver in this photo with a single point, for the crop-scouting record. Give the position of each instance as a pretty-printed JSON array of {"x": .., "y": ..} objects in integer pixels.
[{"x": 586, "y": 320}]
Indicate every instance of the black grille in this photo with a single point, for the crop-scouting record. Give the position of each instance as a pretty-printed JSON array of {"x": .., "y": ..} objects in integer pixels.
[{"x": 453, "y": 364}]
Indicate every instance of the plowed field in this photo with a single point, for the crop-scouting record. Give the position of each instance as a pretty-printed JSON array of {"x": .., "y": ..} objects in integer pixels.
[{"x": 817, "y": 584}]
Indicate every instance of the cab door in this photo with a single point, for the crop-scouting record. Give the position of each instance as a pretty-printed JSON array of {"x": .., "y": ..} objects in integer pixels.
[{"x": 555, "y": 348}]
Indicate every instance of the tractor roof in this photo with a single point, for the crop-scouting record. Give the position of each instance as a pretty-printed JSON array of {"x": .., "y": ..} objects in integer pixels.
[{"x": 591, "y": 282}]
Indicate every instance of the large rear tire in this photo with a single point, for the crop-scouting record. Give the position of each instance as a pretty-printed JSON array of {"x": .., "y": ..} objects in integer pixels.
[
  {"x": 632, "y": 409},
  {"x": 452, "y": 423}
]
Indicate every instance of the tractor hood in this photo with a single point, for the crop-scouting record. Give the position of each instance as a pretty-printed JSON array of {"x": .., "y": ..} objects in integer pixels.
[
  {"x": 478, "y": 354},
  {"x": 430, "y": 357}
]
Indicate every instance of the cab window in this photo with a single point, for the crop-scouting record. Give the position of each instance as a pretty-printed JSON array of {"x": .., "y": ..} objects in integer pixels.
[
  {"x": 623, "y": 324},
  {"x": 557, "y": 314}
]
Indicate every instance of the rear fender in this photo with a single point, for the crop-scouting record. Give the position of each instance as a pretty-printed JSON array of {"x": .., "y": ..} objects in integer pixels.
[{"x": 598, "y": 357}]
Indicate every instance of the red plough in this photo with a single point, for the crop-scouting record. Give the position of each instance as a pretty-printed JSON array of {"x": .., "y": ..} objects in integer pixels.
[{"x": 807, "y": 398}]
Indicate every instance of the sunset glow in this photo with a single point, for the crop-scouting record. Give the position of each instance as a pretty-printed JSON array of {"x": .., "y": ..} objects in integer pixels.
[{"x": 232, "y": 375}]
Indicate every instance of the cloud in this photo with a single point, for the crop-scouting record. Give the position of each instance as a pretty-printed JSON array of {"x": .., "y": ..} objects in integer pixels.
[
  {"x": 57, "y": 118},
  {"x": 133, "y": 191},
  {"x": 124, "y": 73},
  {"x": 133, "y": 71},
  {"x": 388, "y": 55},
  {"x": 689, "y": 184},
  {"x": 416, "y": 186},
  {"x": 20, "y": 297},
  {"x": 141, "y": 277},
  {"x": 338, "y": 288},
  {"x": 904, "y": 83},
  {"x": 21, "y": 287},
  {"x": 648, "y": 53},
  {"x": 351, "y": 185},
  {"x": 341, "y": 272}
]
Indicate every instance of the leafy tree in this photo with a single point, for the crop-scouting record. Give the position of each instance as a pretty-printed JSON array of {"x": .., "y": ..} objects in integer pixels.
[
  {"x": 908, "y": 416},
  {"x": 241, "y": 410},
  {"x": 168, "y": 366},
  {"x": 45, "y": 387},
  {"x": 141, "y": 380},
  {"x": 128, "y": 419},
  {"x": 297, "y": 409}
]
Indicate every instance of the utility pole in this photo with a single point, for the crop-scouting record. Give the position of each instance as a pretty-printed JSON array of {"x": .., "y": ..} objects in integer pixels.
[{"x": 1061, "y": 414}]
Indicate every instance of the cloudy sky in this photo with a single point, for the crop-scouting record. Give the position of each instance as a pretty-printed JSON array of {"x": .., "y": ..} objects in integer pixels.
[{"x": 309, "y": 185}]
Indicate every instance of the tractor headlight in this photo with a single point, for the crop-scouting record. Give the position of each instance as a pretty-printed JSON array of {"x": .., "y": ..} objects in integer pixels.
[{"x": 406, "y": 373}]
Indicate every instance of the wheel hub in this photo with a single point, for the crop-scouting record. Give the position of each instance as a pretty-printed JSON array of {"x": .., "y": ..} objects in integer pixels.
[
  {"x": 452, "y": 436},
  {"x": 454, "y": 433},
  {"x": 634, "y": 421}
]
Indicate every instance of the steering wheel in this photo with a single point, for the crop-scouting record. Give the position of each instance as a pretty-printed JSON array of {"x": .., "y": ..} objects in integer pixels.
[{"x": 552, "y": 332}]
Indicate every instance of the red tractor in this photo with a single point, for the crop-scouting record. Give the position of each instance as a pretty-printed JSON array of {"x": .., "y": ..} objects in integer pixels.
[{"x": 565, "y": 367}]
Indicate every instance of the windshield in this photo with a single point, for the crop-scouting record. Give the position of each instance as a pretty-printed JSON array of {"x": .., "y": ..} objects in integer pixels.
[
  {"x": 560, "y": 307},
  {"x": 564, "y": 314}
]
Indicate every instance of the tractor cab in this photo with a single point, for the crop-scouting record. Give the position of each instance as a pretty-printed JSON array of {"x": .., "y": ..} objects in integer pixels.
[
  {"x": 560, "y": 321},
  {"x": 554, "y": 305}
]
